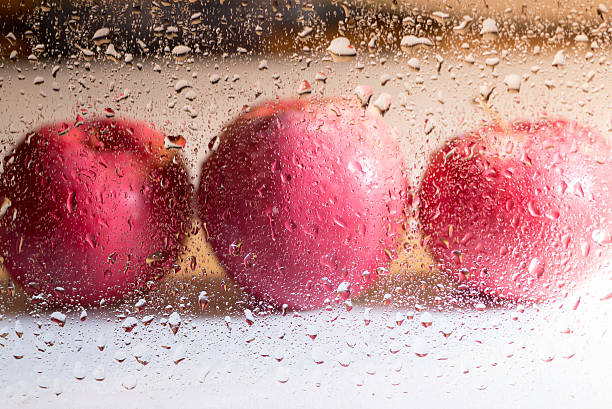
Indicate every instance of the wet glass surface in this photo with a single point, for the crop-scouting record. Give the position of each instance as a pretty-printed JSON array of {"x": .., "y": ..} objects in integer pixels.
[{"x": 167, "y": 238}]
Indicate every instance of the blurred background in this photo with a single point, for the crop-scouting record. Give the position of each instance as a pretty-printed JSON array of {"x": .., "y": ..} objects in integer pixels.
[{"x": 146, "y": 27}]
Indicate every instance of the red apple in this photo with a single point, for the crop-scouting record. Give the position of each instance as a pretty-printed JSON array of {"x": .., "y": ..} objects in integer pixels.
[
  {"x": 92, "y": 210},
  {"x": 522, "y": 211},
  {"x": 302, "y": 200}
]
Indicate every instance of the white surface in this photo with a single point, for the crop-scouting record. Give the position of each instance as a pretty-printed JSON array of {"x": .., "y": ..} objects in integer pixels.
[{"x": 489, "y": 359}]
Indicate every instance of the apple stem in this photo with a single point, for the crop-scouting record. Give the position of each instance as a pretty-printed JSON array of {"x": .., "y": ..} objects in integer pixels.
[{"x": 494, "y": 115}]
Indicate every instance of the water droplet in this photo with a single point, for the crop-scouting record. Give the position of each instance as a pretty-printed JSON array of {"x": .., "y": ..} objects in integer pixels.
[
  {"x": 203, "y": 300},
  {"x": 142, "y": 354},
  {"x": 120, "y": 355},
  {"x": 18, "y": 351},
  {"x": 180, "y": 52},
  {"x": 282, "y": 374},
  {"x": 101, "y": 343},
  {"x": 513, "y": 82},
  {"x": 489, "y": 28},
  {"x": 364, "y": 93},
  {"x": 344, "y": 290},
  {"x": 78, "y": 371},
  {"x": 420, "y": 347},
  {"x": 367, "y": 316},
  {"x": 559, "y": 59},
  {"x": 19, "y": 328},
  {"x": 492, "y": 61},
  {"x": 129, "y": 382},
  {"x": 413, "y": 41},
  {"x": 318, "y": 356},
  {"x": 306, "y": 31},
  {"x": 342, "y": 47},
  {"x": 140, "y": 304},
  {"x": 250, "y": 319},
  {"x": 383, "y": 102},
  {"x": 101, "y": 36},
  {"x": 602, "y": 237},
  {"x": 98, "y": 373},
  {"x": 129, "y": 324},
  {"x": 304, "y": 88},
  {"x": 344, "y": 359},
  {"x": 57, "y": 387},
  {"x": 180, "y": 85},
  {"x": 446, "y": 329},
  {"x": 426, "y": 319},
  {"x": 180, "y": 353},
  {"x": 174, "y": 321},
  {"x": 414, "y": 64},
  {"x": 312, "y": 332},
  {"x": 536, "y": 267}
]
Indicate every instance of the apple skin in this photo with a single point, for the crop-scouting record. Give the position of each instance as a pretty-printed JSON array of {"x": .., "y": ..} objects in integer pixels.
[
  {"x": 89, "y": 203},
  {"x": 523, "y": 212},
  {"x": 303, "y": 195}
]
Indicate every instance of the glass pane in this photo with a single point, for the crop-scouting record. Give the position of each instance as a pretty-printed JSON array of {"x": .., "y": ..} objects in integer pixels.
[{"x": 287, "y": 203}]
